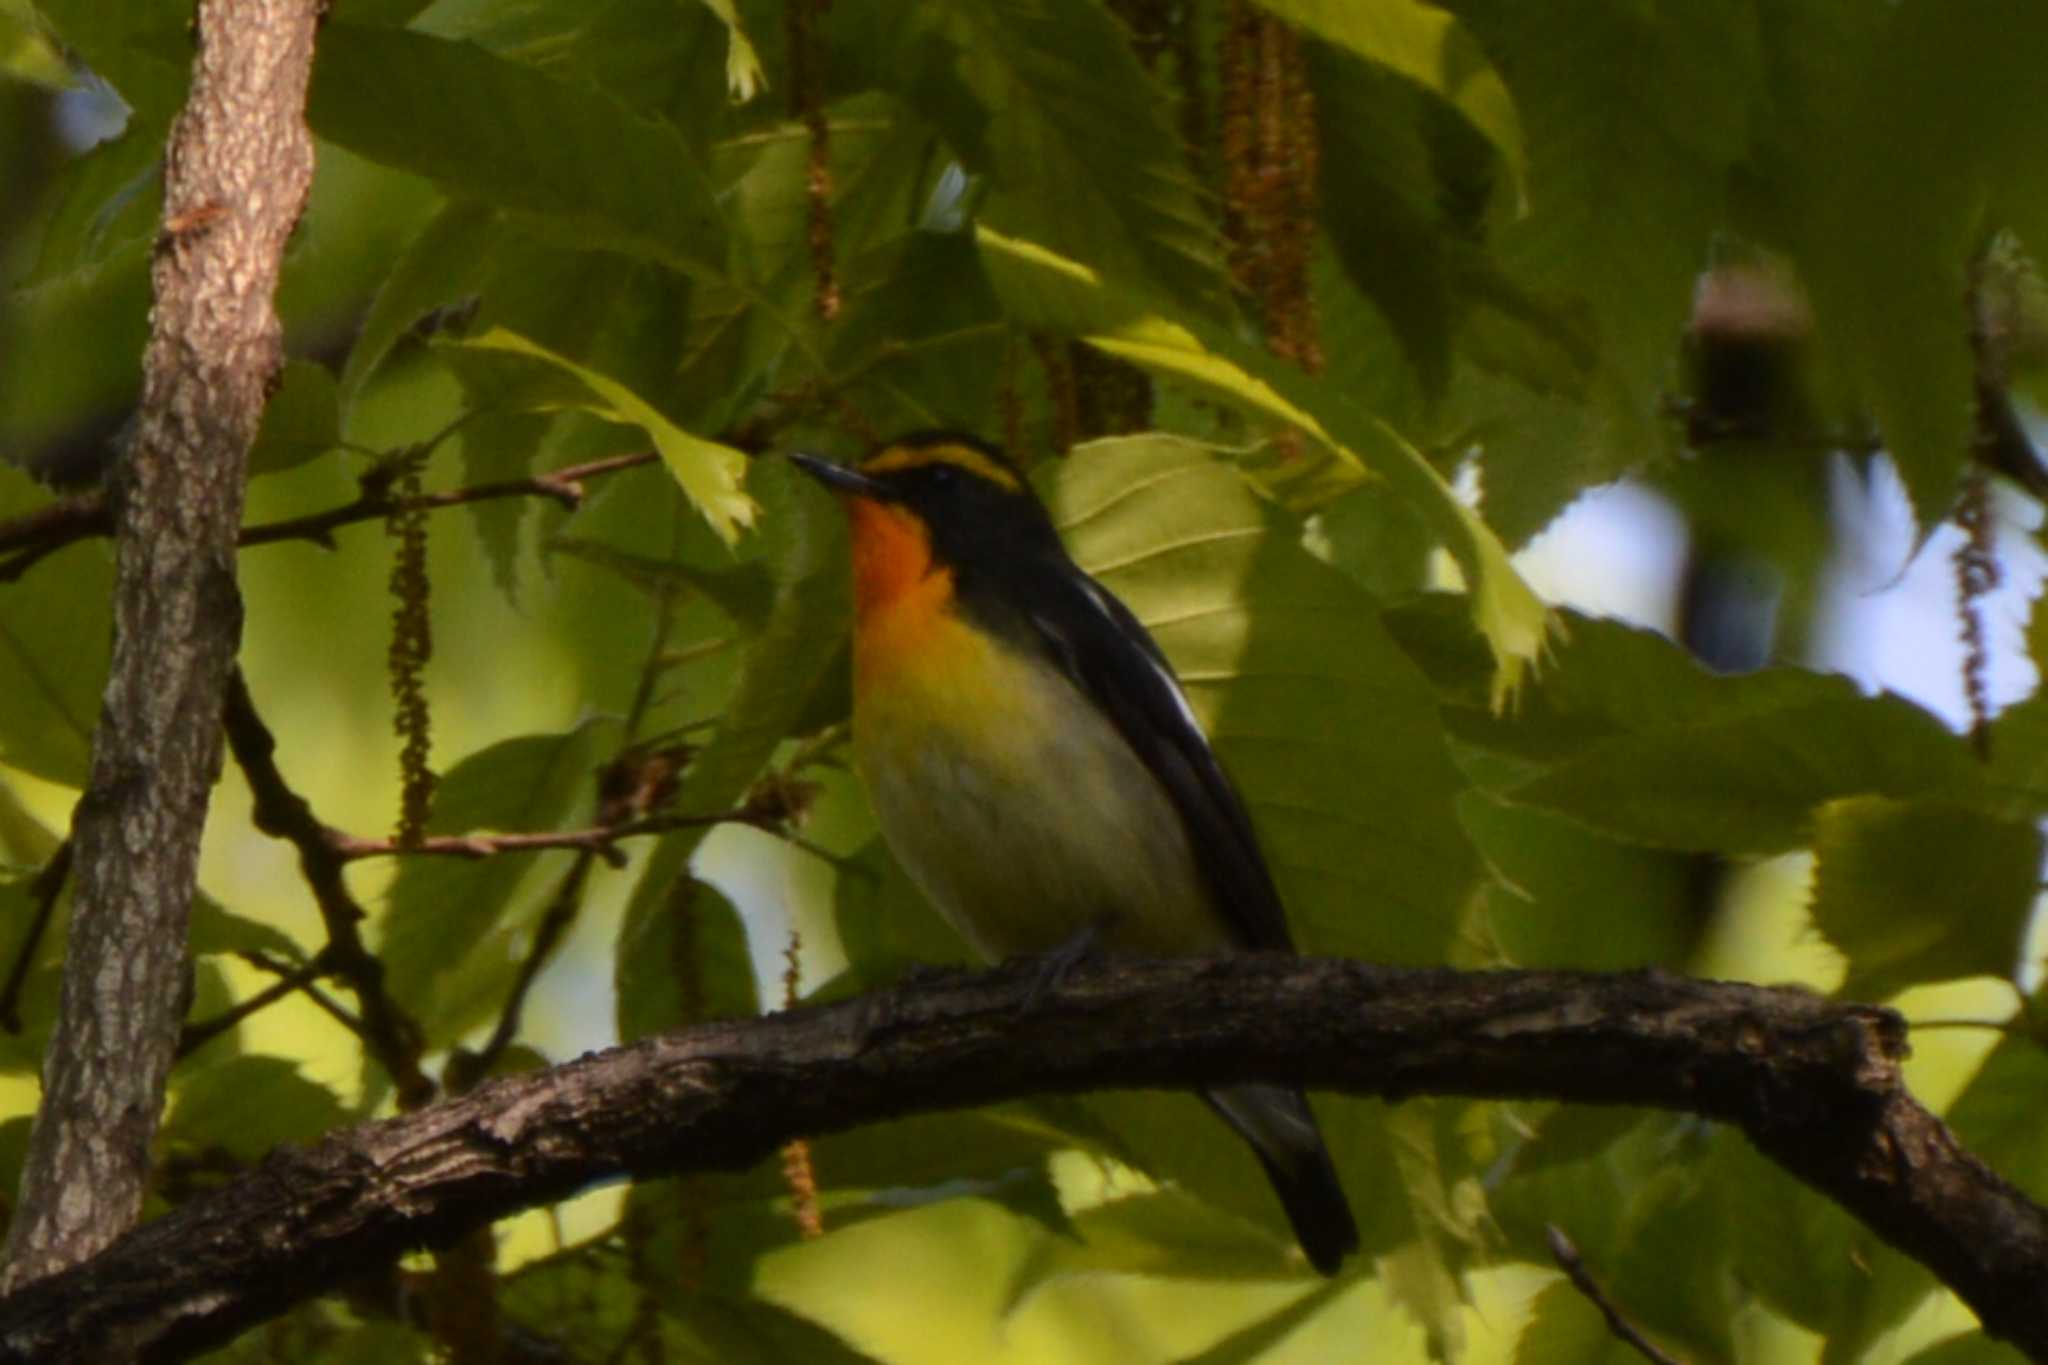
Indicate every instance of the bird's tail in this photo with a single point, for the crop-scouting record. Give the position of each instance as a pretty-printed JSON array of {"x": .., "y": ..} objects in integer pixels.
[{"x": 1282, "y": 1131}]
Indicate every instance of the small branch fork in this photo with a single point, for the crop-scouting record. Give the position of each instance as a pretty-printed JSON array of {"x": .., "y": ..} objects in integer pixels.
[
  {"x": 1816, "y": 1085},
  {"x": 390, "y": 1035},
  {"x": 26, "y": 540}
]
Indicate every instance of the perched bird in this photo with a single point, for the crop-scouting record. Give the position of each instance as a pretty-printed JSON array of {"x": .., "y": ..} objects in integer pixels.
[{"x": 1034, "y": 766}]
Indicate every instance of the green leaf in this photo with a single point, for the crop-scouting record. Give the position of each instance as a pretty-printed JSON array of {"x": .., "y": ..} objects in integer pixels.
[
  {"x": 502, "y": 446},
  {"x": 216, "y": 931},
  {"x": 1159, "y": 1232},
  {"x": 1968, "y": 1348},
  {"x": 1998, "y": 1115},
  {"x": 923, "y": 333},
  {"x": 481, "y": 127},
  {"x": 682, "y": 960},
  {"x": 755, "y": 1331},
  {"x": 443, "y": 265},
  {"x": 1565, "y": 1325},
  {"x": 1046, "y": 100},
  {"x": 1283, "y": 660},
  {"x": 375, "y": 1343},
  {"x": 249, "y": 1104},
  {"x": 744, "y": 77},
  {"x": 1631, "y": 737},
  {"x": 22, "y": 1053},
  {"x": 54, "y": 639},
  {"x": 301, "y": 422},
  {"x": 1384, "y": 209},
  {"x": 1256, "y": 1340},
  {"x": 1751, "y": 783},
  {"x": 1873, "y": 170},
  {"x": 26, "y": 52},
  {"x": 140, "y": 48},
  {"x": 1042, "y": 288},
  {"x": 710, "y": 473},
  {"x": 447, "y": 944},
  {"x": 1635, "y": 117},
  {"x": 1922, "y": 891},
  {"x": 104, "y": 204},
  {"x": 1564, "y": 896},
  {"x": 783, "y": 665},
  {"x": 1427, "y": 46}
]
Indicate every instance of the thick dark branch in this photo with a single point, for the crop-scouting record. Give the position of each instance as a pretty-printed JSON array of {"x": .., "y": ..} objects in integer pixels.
[
  {"x": 388, "y": 1032},
  {"x": 236, "y": 173},
  {"x": 1815, "y": 1084}
]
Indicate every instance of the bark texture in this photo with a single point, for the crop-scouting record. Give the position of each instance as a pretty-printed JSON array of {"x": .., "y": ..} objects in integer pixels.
[
  {"x": 1815, "y": 1084},
  {"x": 236, "y": 175}
]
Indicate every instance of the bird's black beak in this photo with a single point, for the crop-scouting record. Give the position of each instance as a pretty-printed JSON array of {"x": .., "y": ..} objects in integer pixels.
[{"x": 837, "y": 477}]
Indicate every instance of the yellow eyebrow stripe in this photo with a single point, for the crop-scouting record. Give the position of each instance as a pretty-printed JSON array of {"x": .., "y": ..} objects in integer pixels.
[{"x": 897, "y": 458}]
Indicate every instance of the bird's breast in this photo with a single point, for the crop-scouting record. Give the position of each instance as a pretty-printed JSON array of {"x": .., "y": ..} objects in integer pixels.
[{"x": 1011, "y": 800}]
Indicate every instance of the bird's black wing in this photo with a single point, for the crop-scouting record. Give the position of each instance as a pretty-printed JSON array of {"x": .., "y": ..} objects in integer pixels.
[{"x": 1099, "y": 644}]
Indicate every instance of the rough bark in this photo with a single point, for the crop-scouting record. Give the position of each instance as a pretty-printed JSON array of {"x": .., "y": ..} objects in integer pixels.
[
  {"x": 237, "y": 170},
  {"x": 1815, "y": 1084}
]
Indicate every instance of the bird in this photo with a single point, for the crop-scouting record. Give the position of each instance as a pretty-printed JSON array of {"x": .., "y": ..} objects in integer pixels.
[{"x": 1036, "y": 769}]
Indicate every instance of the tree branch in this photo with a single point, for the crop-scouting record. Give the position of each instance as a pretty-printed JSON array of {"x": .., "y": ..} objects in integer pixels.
[
  {"x": 1815, "y": 1084},
  {"x": 390, "y": 1035},
  {"x": 1566, "y": 1253},
  {"x": 43, "y": 532},
  {"x": 564, "y": 486},
  {"x": 598, "y": 839},
  {"x": 236, "y": 173}
]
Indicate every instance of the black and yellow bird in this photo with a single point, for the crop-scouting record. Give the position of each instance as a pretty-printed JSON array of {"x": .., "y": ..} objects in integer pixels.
[{"x": 1035, "y": 767}]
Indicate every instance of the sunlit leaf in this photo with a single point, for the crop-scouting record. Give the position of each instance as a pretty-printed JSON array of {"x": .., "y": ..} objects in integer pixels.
[
  {"x": 1428, "y": 46},
  {"x": 709, "y": 472},
  {"x": 216, "y": 930},
  {"x": 1300, "y": 690},
  {"x": 1922, "y": 891},
  {"x": 1070, "y": 299},
  {"x": 744, "y": 77}
]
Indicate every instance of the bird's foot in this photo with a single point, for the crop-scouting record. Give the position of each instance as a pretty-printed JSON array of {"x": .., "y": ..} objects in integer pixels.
[{"x": 1052, "y": 967}]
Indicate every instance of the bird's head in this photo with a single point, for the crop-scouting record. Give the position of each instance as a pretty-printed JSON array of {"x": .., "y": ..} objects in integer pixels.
[{"x": 933, "y": 500}]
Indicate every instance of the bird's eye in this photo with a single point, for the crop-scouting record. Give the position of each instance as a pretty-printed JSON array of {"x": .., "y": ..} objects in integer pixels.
[{"x": 944, "y": 476}]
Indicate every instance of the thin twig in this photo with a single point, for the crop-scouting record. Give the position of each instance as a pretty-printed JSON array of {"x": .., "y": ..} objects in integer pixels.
[
  {"x": 196, "y": 1036},
  {"x": 44, "y": 890},
  {"x": 598, "y": 839},
  {"x": 49, "y": 529},
  {"x": 328, "y": 1005},
  {"x": 561, "y": 913},
  {"x": 565, "y": 486},
  {"x": 1574, "y": 1267},
  {"x": 567, "y": 901},
  {"x": 391, "y": 1036}
]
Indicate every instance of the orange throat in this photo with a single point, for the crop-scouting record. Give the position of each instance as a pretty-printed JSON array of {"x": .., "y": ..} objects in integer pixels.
[{"x": 900, "y": 594}]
